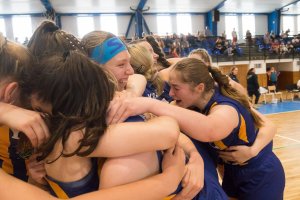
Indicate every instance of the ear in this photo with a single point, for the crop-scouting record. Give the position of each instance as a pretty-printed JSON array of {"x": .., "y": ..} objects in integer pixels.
[
  {"x": 10, "y": 92},
  {"x": 200, "y": 87}
]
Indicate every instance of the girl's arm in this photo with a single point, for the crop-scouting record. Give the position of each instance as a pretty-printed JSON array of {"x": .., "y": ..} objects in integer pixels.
[
  {"x": 136, "y": 85},
  {"x": 137, "y": 137},
  {"x": 156, "y": 187},
  {"x": 216, "y": 126},
  {"x": 240, "y": 154},
  {"x": 27, "y": 121}
]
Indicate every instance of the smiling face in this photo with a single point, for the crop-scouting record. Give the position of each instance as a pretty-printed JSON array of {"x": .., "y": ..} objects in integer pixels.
[
  {"x": 120, "y": 67},
  {"x": 184, "y": 94}
]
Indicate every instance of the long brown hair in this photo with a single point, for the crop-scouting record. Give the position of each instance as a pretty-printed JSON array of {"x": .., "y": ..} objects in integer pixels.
[
  {"x": 49, "y": 38},
  {"x": 79, "y": 92},
  {"x": 195, "y": 71}
]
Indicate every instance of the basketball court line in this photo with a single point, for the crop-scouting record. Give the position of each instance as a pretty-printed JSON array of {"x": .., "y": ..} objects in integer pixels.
[{"x": 298, "y": 141}]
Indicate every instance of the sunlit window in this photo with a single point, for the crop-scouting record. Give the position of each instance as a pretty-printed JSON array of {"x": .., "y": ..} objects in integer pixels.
[
  {"x": 2, "y": 26},
  {"x": 231, "y": 22},
  {"x": 22, "y": 27},
  {"x": 288, "y": 22},
  {"x": 85, "y": 24},
  {"x": 298, "y": 24},
  {"x": 164, "y": 25},
  {"x": 184, "y": 23},
  {"x": 248, "y": 22},
  {"x": 108, "y": 22}
]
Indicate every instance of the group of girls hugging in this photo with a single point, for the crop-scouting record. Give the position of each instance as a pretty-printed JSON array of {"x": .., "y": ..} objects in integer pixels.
[{"x": 96, "y": 118}]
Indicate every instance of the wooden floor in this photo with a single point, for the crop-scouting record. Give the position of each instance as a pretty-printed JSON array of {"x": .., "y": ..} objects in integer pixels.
[{"x": 287, "y": 148}]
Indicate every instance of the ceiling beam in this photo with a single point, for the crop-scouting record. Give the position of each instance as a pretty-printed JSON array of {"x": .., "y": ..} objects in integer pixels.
[
  {"x": 141, "y": 5},
  {"x": 220, "y": 5},
  {"x": 48, "y": 6},
  {"x": 294, "y": 2},
  {"x": 51, "y": 13}
]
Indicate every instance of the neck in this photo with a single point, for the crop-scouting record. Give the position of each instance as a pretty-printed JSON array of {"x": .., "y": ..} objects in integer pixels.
[{"x": 204, "y": 99}]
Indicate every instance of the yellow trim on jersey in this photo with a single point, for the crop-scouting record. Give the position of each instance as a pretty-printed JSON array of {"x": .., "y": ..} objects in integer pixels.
[
  {"x": 4, "y": 154},
  {"x": 60, "y": 193},
  {"x": 243, "y": 131},
  {"x": 212, "y": 105},
  {"x": 220, "y": 145},
  {"x": 169, "y": 197}
]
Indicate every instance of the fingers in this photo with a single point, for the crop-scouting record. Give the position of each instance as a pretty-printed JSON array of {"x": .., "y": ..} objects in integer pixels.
[
  {"x": 190, "y": 186},
  {"x": 186, "y": 179},
  {"x": 117, "y": 110},
  {"x": 178, "y": 151},
  {"x": 170, "y": 150},
  {"x": 29, "y": 132},
  {"x": 36, "y": 130},
  {"x": 39, "y": 133},
  {"x": 112, "y": 110}
]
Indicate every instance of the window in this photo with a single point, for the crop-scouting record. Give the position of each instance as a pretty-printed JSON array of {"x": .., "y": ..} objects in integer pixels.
[
  {"x": 2, "y": 26},
  {"x": 298, "y": 24},
  {"x": 164, "y": 25},
  {"x": 288, "y": 22},
  {"x": 231, "y": 22},
  {"x": 109, "y": 23},
  {"x": 248, "y": 22},
  {"x": 184, "y": 24},
  {"x": 22, "y": 27},
  {"x": 85, "y": 25}
]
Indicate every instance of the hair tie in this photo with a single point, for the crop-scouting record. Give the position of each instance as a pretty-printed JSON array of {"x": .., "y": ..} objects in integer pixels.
[{"x": 51, "y": 27}]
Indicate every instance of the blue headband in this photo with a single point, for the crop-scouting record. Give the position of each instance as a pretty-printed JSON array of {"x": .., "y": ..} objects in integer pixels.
[{"x": 107, "y": 50}]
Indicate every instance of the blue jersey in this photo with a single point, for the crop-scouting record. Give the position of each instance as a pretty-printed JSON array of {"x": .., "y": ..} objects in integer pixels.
[
  {"x": 65, "y": 190},
  {"x": 10, "y": 161},
  {"x": 211, "y": 189},
  {"x": 150, "y": 91},
  {"x": 262, "y": 177}
]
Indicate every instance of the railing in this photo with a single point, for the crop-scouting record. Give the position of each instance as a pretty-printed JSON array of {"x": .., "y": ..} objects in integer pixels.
[{"x": 253, "y": 52}]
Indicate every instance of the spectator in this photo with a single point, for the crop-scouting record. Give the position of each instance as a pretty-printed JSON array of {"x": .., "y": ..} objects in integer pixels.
[
  {"x": 252, "y": 85},
  {"x": 234, "y": 36},
  {"x": 272, "y": 75},
  {"x": 249, "y": 37},
  {"x": 233, "y": 74}
]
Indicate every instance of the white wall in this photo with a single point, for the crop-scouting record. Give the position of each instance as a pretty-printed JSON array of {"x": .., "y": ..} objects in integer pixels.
[
  {"x": 261, "y": 24},
  {"x": 123, "y": 21},
  {"x": 198, "y": 23},
  {"x": 151, "y": 22},
  {"x": 221, "y": 26},
  {"x": 36, "y": 21},
  {"x": 69, "y": 24}
]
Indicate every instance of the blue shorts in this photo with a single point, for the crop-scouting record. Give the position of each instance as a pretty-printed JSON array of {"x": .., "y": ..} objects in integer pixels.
[{"x": 259, "y": 180}]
